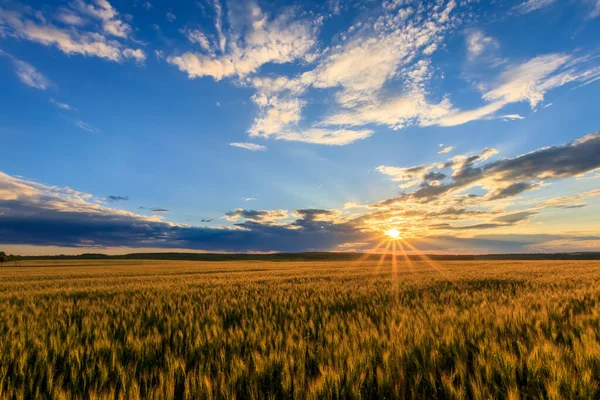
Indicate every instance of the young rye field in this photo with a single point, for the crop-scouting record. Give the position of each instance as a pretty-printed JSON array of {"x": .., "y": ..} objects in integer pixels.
[{"x": 294, "y": 330}]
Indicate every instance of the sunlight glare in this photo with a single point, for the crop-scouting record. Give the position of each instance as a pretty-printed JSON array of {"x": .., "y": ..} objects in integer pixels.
[{"x": 393, "y": 233}]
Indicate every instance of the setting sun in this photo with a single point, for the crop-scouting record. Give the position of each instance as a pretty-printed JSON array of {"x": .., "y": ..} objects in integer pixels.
[{"x": 393, "y": 233}]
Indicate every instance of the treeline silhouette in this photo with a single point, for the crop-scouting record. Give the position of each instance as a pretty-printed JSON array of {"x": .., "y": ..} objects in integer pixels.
[{"x": 315, "y": 256}]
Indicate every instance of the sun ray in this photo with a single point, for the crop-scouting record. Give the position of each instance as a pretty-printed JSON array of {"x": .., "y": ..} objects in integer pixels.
[
  {"x": 383, "y": 256},
  {"x": 394, "y": 262},
  {"x": 431, "y": 263},
  {"x": 406, "y": 257},
  {"x": 370, "y": 252}
]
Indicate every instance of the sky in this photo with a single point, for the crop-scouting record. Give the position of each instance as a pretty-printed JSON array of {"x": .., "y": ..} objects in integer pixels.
[{"x": 285, "y": 126}]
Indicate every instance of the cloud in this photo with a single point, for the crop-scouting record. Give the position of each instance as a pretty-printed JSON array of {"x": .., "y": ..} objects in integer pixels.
[
  {"x": 528, "y": 81},
  {"x": 330, "y": 137},
  {"x": 262, "y": 216},
  {"x": 27, "y": 73},
  {"x": 30, "y": 25},
  {"x": 248, "y": 198},
  {"x": 532, "y": 5},
  {"x": 85, "y": 126},
  {"x": 506, "y": 177},
  {"x": 58, "y": 104},
  {"x": 595, "y": 9},
  {"x": 109, "y": 17},
  {"x": 30, "y": 76},
  {"x": 377, "y": 72},
  {"x": 113, "y": 199},
  {"x": 446, "y": 150},
  {"x": 265, "y": 40},
  {"x": 249, "y": 146},
  {"x": 156, "y": 210},
  {"x": 138, "y": 55},
  {"x": 478, "y": 43},
  {"x": 197, "y": 36},
  {"x": 68, "y": 17},
  {"x": 171, "y": 17}
]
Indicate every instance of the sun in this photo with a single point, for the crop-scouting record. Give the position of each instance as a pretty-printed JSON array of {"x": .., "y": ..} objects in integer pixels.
[{"x": 393, "y": 233}]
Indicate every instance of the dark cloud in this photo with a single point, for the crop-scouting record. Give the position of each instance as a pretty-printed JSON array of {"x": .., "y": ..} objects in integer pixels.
[
  {"x": 434, "y": 176},
  {"x": 512, "y": 190},
  {"x": 154, "y": 210},
  {"x": 207, "y": 220},
  {"x": 113, "y": 199},
  {"x": 510, "y": 176},
  {"x": 256, "y": 215},
  {"x": 516, "y": 217}
]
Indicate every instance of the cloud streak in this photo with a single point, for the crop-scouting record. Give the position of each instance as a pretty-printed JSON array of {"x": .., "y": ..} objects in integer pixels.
[{"x": 249, "y": 146}]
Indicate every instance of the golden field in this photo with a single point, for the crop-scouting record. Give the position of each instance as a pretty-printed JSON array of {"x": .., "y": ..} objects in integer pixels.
[{"x": 300, "y": 330}]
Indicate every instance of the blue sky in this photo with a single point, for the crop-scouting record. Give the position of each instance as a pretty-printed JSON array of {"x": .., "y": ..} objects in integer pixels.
[{"x": 297, "y": 126}]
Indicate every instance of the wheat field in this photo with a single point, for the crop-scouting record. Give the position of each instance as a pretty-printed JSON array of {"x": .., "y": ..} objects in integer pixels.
[{"x": 300, "y": 330}]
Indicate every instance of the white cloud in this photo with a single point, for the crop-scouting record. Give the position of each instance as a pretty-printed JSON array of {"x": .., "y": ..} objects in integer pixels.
[
  {"x": 529, "y": 82},
  {"x": 477, "y": 43},
  {"x": 86, "y": 127},
  {"x": 171, "y": 17},
  {"x": 249, "y": 146},
  {"x": 277, "y": 114},
  {"x": 595, "y": 10},
  {"x": 331, "y": 137},
  {"x": 138, "y": 55},
  {"x": 219, "y": 25},
  {"x": 58, "y": 104},
  {"x": 68, "y": 17},
  {"x": 278, "y": 41},
  {"x": 446, "y": 150},
  {"x": 532, "y": 5},
  {"x": 378, "y": 71},
  {"x": 117, "y": 28},
  {"x": 104, "y": 11},
  {"x": 512, "y": 117},
  {"x": 29, "y": 25},
  {"x": 357, "y": 71},
  {"x": 30, "y": 76},
  {"x": 196, "y": 36}
]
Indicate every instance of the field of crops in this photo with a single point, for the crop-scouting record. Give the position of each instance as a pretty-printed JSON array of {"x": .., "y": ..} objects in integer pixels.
[{"x": 259, "y": 330}]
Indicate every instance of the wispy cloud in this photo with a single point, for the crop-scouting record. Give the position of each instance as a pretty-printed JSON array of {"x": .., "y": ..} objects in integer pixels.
[
  {"x": 30, "y": 76},
  {"x": 27, "y": 73},
  {"x": 249, "y": 146},
  {"x": 532, "y": 5},
  {"x": 85, "y": 126},
  {"x": 58, "y": 104},
  {"x": 446, "y": 150}
]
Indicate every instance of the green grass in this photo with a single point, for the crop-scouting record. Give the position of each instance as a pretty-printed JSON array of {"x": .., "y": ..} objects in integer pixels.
[{"x": 259, "y": 330}]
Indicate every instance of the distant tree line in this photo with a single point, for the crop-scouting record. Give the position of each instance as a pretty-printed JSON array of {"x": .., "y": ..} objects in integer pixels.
[{"x": 5, "y": 258}]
